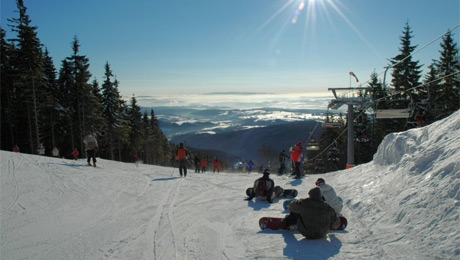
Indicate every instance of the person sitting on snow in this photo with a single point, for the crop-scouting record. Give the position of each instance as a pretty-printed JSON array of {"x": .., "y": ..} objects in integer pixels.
[
  {"x": 263, "y": 188},
  {"x": 329, "y": 195},
  {"x": 312, "y": 217}
]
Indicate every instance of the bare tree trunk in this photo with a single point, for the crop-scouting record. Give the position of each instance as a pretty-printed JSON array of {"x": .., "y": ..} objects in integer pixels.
[{"x": 34, "y": 96}]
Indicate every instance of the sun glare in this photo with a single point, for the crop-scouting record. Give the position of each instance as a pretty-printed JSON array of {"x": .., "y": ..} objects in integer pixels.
[{"x": 313, "y": 12}]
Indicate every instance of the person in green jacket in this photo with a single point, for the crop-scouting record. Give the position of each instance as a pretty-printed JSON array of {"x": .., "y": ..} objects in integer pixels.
[{"x": 312, "y": 217}]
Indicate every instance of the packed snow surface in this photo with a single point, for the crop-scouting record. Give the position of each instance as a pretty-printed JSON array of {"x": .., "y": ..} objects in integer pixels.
[{"x": 403, "y": 205}]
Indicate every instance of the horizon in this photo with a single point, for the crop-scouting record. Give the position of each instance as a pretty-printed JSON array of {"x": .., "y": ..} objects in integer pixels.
[
  {"x": 182, "y": 47},
  {"x": 238, "y": 100}
]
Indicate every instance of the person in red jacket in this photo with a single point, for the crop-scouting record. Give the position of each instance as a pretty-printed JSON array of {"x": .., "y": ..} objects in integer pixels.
[
  {"x": 204, "y": 163},
  {"x": 75, "y": 153},
  {"x": 181, "y": 157},
  {"x": 296, "y": 156},
  {"x": 216, "y": 165}
]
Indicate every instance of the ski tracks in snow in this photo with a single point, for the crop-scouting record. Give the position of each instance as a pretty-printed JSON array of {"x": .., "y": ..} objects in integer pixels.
[{"x": 189, "y": 235}]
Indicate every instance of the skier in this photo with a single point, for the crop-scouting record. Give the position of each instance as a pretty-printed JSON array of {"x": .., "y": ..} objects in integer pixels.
[
  {"x": 329, "y": 195},
  {"x": 263, "y": 188},
  {"x": 90, "y": 146},
  {"x": 312, "y": 216},
  {"x": 181, "y": 157},
  {"x": 297, "y": 155},
  {"x": 16, "y": 149}
]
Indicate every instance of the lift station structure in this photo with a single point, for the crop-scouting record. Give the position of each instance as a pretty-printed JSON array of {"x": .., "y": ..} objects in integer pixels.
[{"x": 352, "y": 97}]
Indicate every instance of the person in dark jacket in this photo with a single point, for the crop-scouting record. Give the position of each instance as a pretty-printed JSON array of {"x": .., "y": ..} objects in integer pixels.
[
  {"x": 263, "y": 188},
  {"x": 282, "y": 159},
  {"x": 197, "y": 162},
  {"x": 312, "y": 217}
]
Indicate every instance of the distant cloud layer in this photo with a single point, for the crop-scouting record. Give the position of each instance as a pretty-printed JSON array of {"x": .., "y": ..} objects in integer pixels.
[{"x": 239, "y": 100}]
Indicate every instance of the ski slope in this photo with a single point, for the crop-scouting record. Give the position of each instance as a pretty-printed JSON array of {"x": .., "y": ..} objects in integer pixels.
[{"x": 403, "y": 205}]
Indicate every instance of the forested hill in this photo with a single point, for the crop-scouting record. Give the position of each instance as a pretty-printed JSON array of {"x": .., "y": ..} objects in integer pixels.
[{"x": 255, "y": 143}]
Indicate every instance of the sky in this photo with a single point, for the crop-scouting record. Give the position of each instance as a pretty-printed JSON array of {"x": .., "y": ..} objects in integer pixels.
[
  {"x": 180, "y": 47},
  {"x": 402, "y": 205}
]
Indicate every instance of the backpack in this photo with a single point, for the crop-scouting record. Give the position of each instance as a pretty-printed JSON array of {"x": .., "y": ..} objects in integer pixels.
[
  {"x": 261, "y": 187},
  {"x": 181, "y": 153}
]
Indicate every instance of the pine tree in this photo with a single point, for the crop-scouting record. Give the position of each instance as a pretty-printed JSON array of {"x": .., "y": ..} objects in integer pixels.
[
  {"x": 448, "y": 67},
  {"x": 112, "y": 108},
  {"x": 50, "y": 115},
  {"x": 28, "y": 64},
  {"x": 406, "y": 73},
  {"x": 65, "y": 99},
  {"x": 135, "y": 126},
  {"x": 379, "y": 97},
  {"x": 406, "y": 77},
  {"x": 8, "y": 136},
  {"x": 431, "y": 82}
]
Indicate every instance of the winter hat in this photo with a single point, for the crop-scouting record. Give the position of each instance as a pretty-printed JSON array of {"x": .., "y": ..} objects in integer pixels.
[
  {"x": 320, "y": 180},
  {"x": 315, "y": 193},
  {"x": 181, "y": 145},
  {"x": 299, "y": 143}
]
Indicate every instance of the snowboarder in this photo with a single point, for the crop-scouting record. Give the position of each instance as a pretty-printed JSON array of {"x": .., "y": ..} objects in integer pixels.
[
  {"x": 91, "y": 146},
  {"x": 312, "y": 216},
  {"x": 329, "y": 195},
  {"x": 297, "y": 155},
  {"x": 263, "y": 188},
  {"x": 181, "y": 157}
]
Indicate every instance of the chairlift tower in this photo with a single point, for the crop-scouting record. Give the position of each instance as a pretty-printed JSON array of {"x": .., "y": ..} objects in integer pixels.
[{"x": 351, "y": 97}]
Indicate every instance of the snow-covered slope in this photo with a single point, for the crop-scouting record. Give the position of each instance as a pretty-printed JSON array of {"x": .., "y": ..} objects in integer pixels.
[{"x": 403, "y": 205}]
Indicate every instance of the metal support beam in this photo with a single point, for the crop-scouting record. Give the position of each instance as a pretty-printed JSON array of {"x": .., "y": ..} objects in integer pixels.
[{"x": 350, "y": 139}]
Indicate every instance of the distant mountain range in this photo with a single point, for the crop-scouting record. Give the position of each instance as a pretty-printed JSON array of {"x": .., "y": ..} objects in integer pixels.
[
  {"x": 259, "y": 144},
  {"x": 240, "y": 134}
]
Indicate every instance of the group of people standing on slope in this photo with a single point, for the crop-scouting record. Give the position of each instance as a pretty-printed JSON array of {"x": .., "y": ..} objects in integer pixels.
[
  {"x": 182, "y": 155},
  {"x": 91, "y": 148},
  {"x": 297, "y": 157}
]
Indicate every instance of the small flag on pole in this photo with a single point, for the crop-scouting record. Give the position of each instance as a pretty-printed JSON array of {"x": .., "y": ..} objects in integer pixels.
[{"x": 353, "y": 74}]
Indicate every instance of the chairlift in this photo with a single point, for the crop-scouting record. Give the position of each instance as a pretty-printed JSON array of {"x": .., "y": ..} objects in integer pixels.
[
  {"x": 332, "y": 125},
  {"x": 312, "y": 145}
]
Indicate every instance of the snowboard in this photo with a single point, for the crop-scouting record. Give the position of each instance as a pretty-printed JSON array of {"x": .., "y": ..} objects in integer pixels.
[
  {"x": 277, "y": 223},
  {"x": 279, "y": 192},
  {"x": 286, "y": 204}
]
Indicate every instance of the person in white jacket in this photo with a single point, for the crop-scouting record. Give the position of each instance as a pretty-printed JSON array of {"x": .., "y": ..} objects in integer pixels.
[
  {"x": 90, "y": 144},
  {"x": 329, "y": 195}
]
